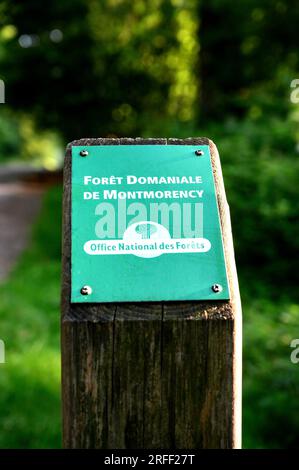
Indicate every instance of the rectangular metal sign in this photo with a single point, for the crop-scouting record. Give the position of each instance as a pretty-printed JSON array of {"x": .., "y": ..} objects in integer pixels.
[{"x": 145, "y": 224}]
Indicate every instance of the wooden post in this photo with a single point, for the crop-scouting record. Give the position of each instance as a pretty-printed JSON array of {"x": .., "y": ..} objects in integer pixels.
[{"x": 151, "y": 375}]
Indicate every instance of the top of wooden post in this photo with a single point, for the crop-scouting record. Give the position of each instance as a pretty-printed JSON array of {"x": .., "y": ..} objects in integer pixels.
[{"x": 149, "y": 374}]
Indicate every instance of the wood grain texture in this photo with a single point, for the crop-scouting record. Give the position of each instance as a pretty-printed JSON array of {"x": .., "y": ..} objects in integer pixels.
[{"x": 151, "y": 375}]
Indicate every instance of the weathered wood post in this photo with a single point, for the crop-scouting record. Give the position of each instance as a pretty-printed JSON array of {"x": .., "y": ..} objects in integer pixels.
[{"x": 162, "y": 374}]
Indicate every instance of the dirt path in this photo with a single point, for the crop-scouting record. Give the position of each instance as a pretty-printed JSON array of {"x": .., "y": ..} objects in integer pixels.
[{"x": 19, "y": 205}]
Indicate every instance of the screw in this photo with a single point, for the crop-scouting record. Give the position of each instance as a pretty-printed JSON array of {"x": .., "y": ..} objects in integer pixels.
[
  {"x": 199, "y": 153},
  {"x": 217, "y": 288},
  {"x": 83, "y": 153},
  {"x": 86, "y": 290}
]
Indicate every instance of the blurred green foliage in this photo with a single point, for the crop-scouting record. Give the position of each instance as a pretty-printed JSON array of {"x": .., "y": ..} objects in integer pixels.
[
  {"x": 120, "y": 64},
  {"x": 173, "y": 68},
  {"x": 10, "y": 139},
  {"x": 20, "y": 141},
  {"x": 249, "y": 55},
  {"x": 270, "y": 379},
  {"x": 261, "y": 168}
]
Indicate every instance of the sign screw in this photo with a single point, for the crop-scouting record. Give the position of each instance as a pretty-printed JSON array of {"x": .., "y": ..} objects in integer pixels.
[
  {"x": 217, "y": 288},
  {"x": 86, "y": 290},
  {"x": 83, "y": 153},
  {"x": 199, "y": 153}
]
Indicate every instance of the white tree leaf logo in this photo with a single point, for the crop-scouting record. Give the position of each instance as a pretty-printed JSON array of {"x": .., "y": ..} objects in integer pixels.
[{"x": 145, "y": 230}]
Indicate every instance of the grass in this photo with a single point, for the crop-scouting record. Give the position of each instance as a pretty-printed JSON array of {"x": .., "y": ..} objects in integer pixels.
[
  {"x": 30, "y": 379},
  {"x": 29, "y": 325}
]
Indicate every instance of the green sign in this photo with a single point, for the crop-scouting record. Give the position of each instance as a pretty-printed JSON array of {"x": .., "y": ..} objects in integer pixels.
[{"x": 145, "y": 224}]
